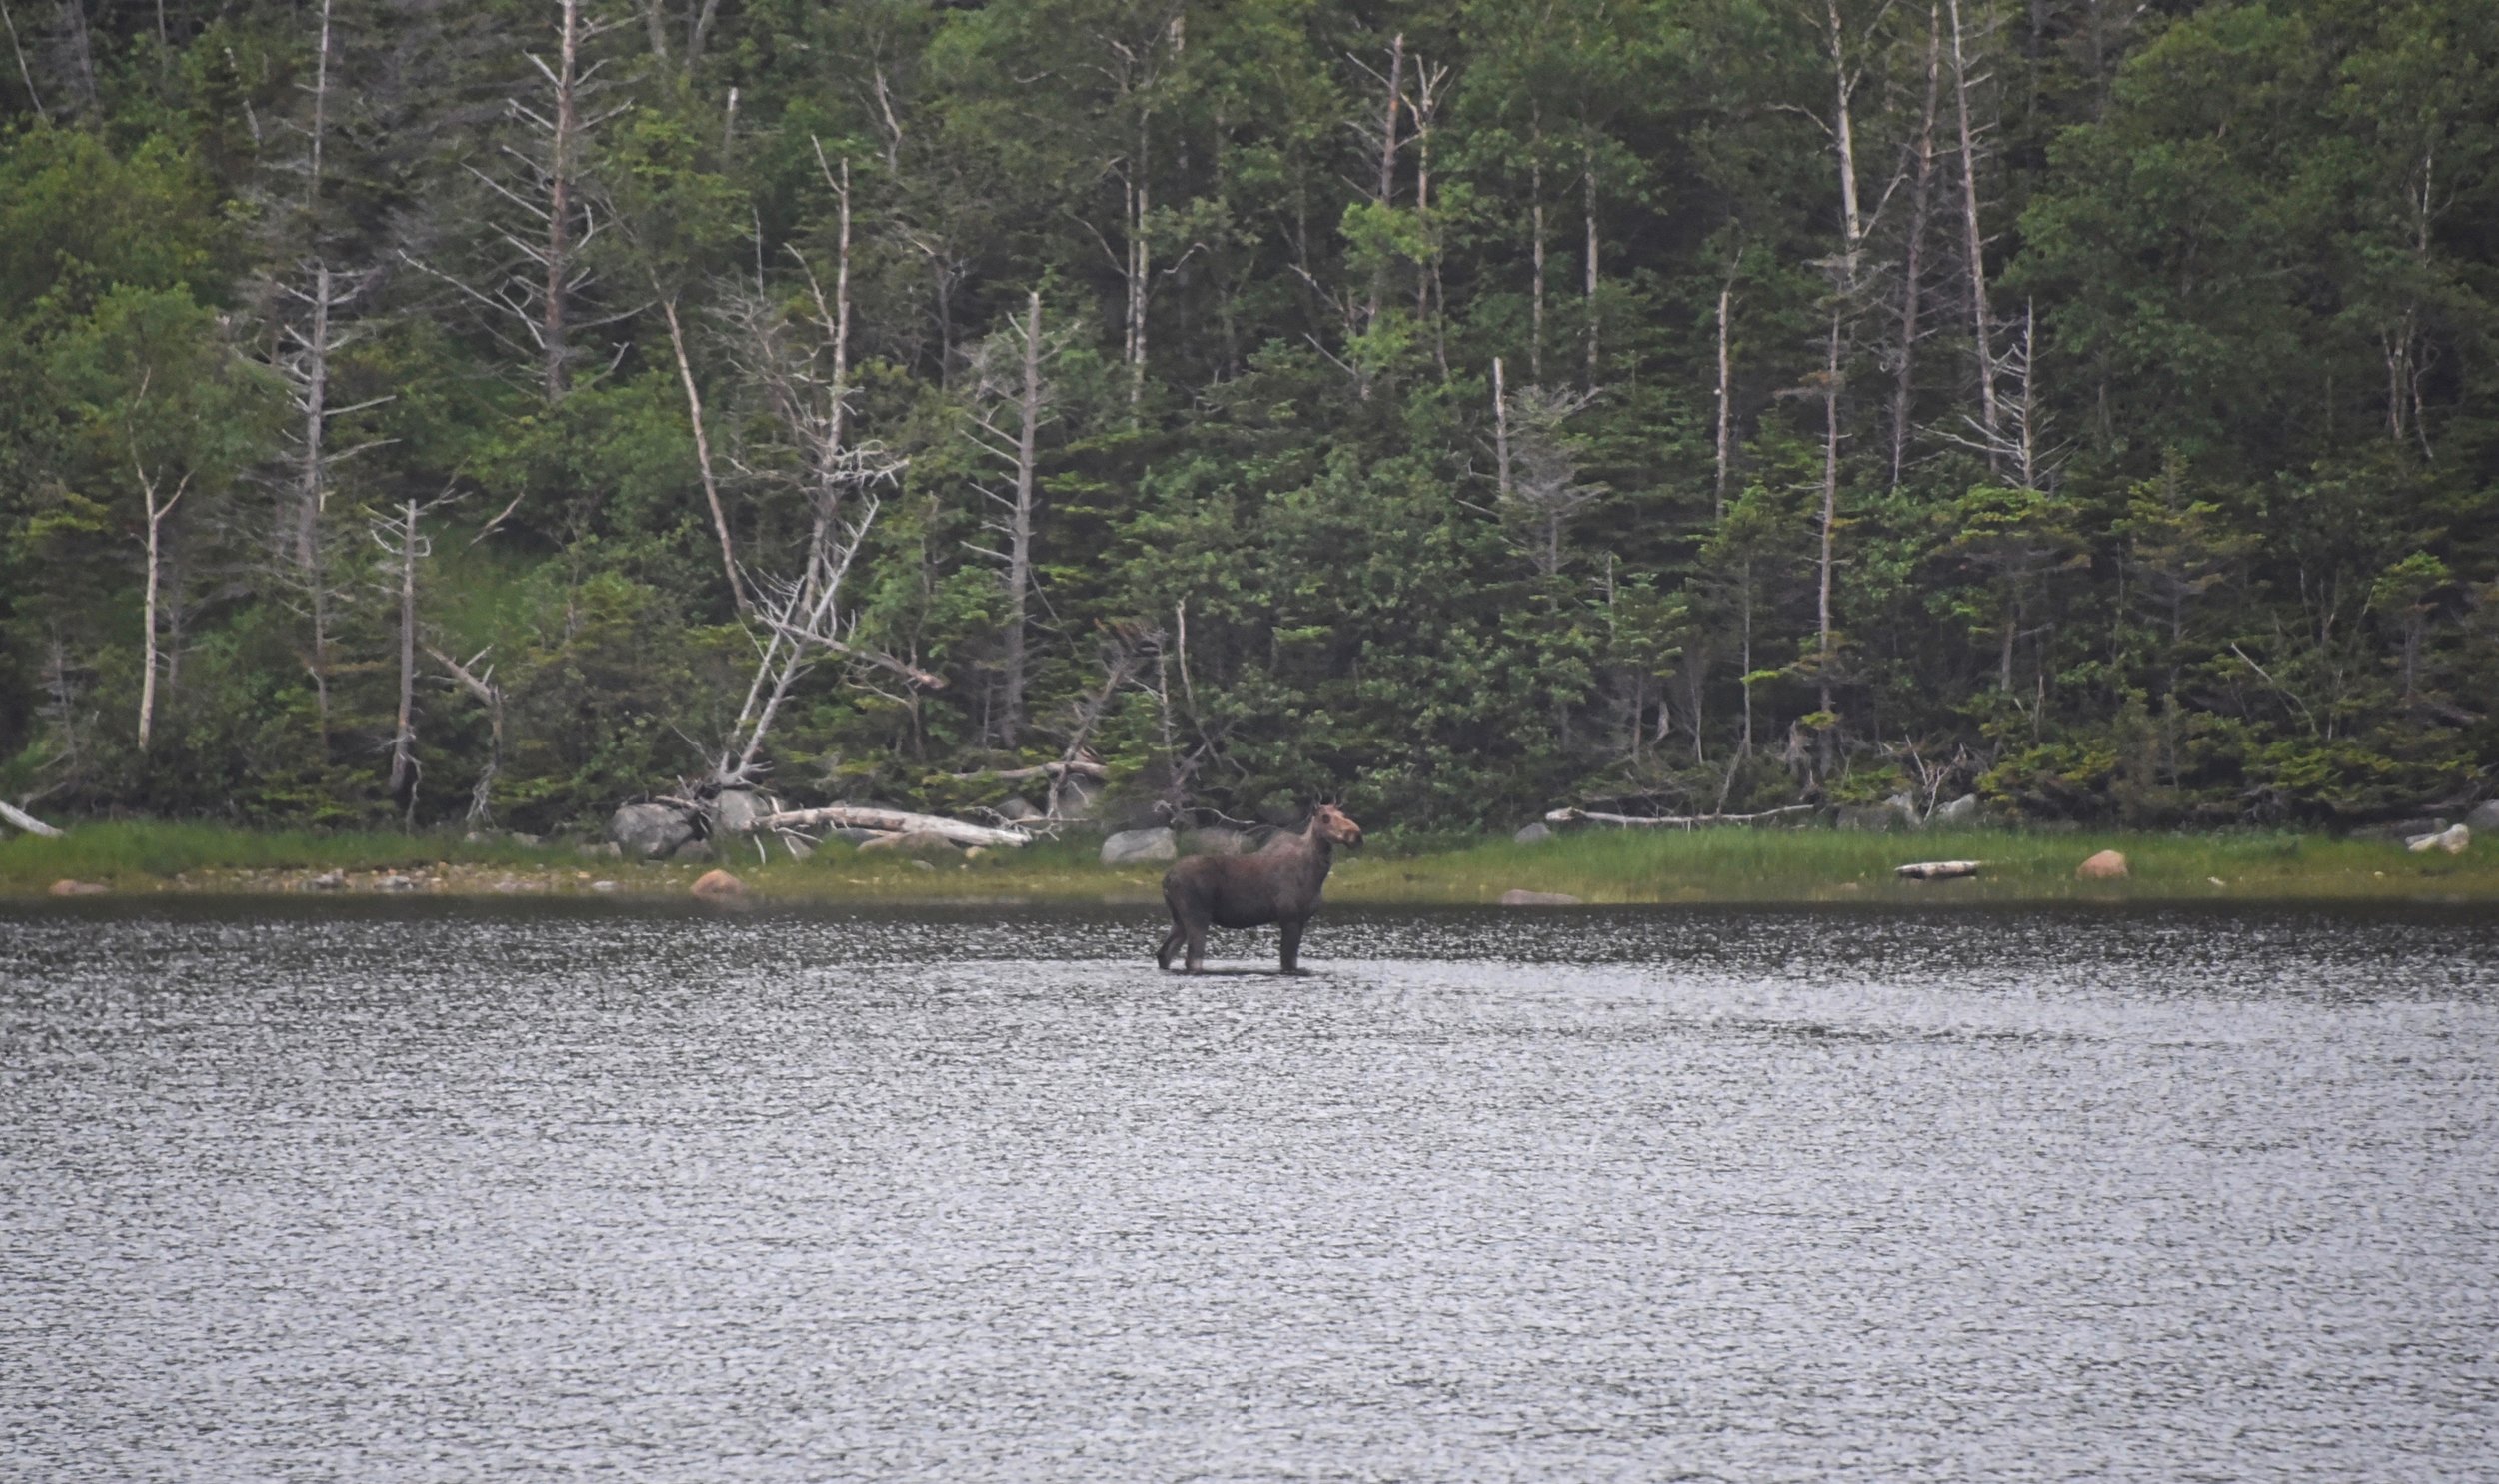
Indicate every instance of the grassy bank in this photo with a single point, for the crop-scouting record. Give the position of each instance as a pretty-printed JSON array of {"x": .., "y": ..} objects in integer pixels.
[{"x": 1610, "y": 866}]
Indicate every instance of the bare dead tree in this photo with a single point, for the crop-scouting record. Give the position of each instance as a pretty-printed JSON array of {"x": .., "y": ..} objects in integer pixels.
[
  {"x": 404, "y": 546},
  {"x": 157, "y": 510},
  {"x": 1430, "y": 91},
  {"x": 1543, "y": 490},
  {"x": 1384, "y": 193},
  {"x": 1012, "y": 401},
  {"x": 531, "y": 289},
  {"x": 1982, "y": 327},
  {"x": 702, "y": 446},
  {"x": 480, "y": 683},
  {"x": 34, "y": 98},
  {"x": 306, "y": 340},
  {"x": 1727, "y": 391},
  {"x": 1587, "y": 189},
  {"x": 1913, "y": 273}
]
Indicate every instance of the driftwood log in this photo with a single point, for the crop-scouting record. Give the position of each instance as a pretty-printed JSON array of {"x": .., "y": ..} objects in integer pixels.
[
  {"x": 26, "y": 822},
  {"x": 1937, "y": 870},
  {"x": 1672, "y": 822},
  {"x": 893, "y": 821}
]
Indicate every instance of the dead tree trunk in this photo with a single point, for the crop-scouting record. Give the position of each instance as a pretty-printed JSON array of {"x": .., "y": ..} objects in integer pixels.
[
  {"x": 1974, "y": 243},
  {"x": 1386, "y": 191},
  {"x": 1020, "y": 526},
  {"x": 1535, "y": 253},
  {"x": 403, "y": 737},
  {"x": 703, "y": 450},
  {"x": 1587, "y": 181},
  {"x": 481, "y": 685},
  {"x": 1021, "y": 386},
  {"x": 1912, "y": 269},
  {"x": 157, "y": 512},
  {"x": 1727, "y": 391}
]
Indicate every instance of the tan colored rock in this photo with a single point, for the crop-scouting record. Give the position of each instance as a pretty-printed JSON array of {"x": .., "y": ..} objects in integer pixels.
[
  {"x": 2108, "y": 865},
  {"x": 1538, "y": 899},
  {"x": 68, "y": 887},
  {"x": 718, "y": 886},
  {"x": 2452, "y": 839}
]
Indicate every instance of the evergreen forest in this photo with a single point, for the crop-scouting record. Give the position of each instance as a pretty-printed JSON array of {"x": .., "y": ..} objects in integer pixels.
[{"x": 418, "y": 413}]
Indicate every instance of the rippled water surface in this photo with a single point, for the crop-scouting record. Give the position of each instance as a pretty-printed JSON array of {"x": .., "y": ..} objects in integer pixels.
[{"x": 404, "y": 1194}]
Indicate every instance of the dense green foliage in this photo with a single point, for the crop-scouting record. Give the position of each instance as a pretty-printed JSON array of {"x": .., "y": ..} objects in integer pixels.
[{"x": 2107, "y": 421}]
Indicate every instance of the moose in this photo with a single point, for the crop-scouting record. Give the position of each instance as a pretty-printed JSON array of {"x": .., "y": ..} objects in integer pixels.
[{"x": 1280, "y": 883}]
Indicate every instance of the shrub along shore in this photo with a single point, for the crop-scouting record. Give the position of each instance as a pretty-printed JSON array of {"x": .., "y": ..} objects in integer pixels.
[{"x": 1607, "y": 866}]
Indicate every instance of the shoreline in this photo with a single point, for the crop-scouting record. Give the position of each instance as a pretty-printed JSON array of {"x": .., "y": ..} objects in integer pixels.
[{"x": 1615, "y": 867}]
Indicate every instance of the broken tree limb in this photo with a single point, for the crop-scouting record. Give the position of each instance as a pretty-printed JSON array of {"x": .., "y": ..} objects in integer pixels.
[
  {"x": 1937, "y": 870},
  {"x": 1672, "y": 822},
  {"x": 1080, "y": 767},
  {"x": 897, "y": 821},
  {"x": 26, "y": 822}
]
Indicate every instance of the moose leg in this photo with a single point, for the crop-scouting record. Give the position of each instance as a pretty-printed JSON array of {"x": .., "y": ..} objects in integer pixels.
[
  {"x": 1170, "y": 945},
  {"x": 1293, "y": 944},
  {"x": 1197, "y": 932}
]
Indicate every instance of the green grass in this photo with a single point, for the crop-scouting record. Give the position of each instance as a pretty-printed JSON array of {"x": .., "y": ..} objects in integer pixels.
[
  {"x": 1600, "y": 867},
  {"x": 139, "y": 853}
]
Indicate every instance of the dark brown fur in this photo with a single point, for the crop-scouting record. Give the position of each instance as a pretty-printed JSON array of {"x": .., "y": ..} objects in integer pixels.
[{"x": 1279, "y": 884}]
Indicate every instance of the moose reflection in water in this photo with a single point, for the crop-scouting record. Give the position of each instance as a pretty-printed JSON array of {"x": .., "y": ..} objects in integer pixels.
[{"x": 1279, "y": 884}]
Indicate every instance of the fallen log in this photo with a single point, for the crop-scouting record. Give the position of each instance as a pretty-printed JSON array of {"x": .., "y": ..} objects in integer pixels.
[
  {"x": 893, "y": 821},
  {"x": 1937, "y": 870},
  {"x": 26, "y": 822},
  {"x": 1672, "y": 822}
]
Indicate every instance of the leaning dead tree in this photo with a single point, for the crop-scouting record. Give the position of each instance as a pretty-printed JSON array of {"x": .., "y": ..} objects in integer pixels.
[
  {"x": 157, "y": 512},
  {"x": 478, "y": 680}
]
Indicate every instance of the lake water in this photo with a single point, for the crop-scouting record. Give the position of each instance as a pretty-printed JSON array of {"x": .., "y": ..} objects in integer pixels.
[{"x": 389, "y": 1192}]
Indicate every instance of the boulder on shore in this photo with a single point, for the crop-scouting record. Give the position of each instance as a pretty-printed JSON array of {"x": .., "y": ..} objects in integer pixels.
[
  {"x": 649, "y": 831},
  {"x": 2452, "y": 839},
  {"x": 718, "y": 886},
  {"x": 1960, "y": 813},
  {"x": 1213, "y": 843},
  {"x": 1135, "y": 846},
  {"x": 1534, "y": 834},
  {"x": 2108, "y": 865},
  {"x": 1873, "y": 818},
  {"x": 1538, "y": 899},
  {"x": 67, "y": 887},
  {"x": 693, "y": 849},
  {"x": 736, "y": 809},
  {"x": 1016, "y": 808},
  {"x": 2485, "y": 817}
]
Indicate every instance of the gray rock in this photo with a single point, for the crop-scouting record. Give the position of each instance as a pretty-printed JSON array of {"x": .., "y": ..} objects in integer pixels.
[
  {"x": 517, "y": 838},
  {"x": 799, "y": 848},
  {"x": 736, "y": 809},
  {"x": 1016, "y": 808},
  {"x": 394, "y": 884},
  {"x": 1538, "y": 899},
  {"x": 1132, "y": 846},
  {"x": 328, "y": 881},
  {"x": 693, "y": 849},
  {"x": 1907, "y": 808},
  {"x": 2485, "y": 817},
  {"x": 1960, "y": 813},
  {"x": 649, "y": 831},
  {"x": 1871, "y": 818},
  {"x": 603, "y": 850},
  {"x": 1535, "y": 833},
  {"x": 1217, "y": 842},
  {"x": 603, "y": 887}
]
